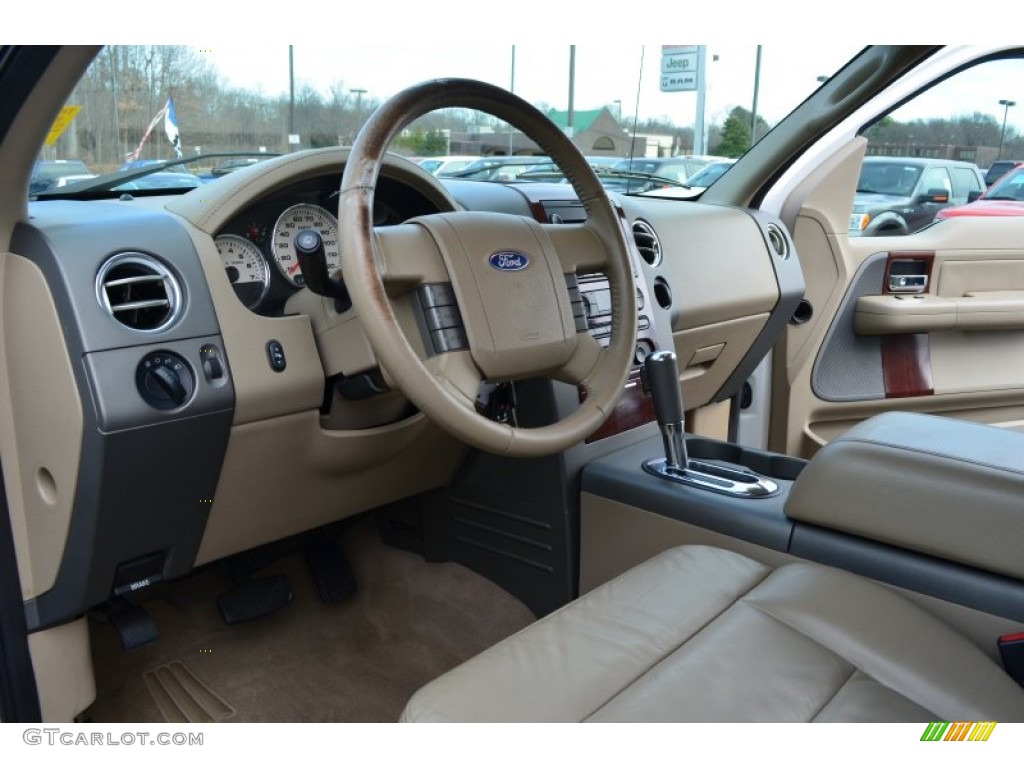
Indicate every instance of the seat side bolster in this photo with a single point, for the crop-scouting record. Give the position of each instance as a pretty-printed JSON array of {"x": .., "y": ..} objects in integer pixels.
[
  {"x": 892, "y": 641},
  {"x": 564, "y": 667}
]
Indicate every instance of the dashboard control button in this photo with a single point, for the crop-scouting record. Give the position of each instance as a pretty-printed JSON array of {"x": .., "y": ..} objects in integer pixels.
[
  {"x": 275, "y": 355},
  {"x": 213, "y": 365}
]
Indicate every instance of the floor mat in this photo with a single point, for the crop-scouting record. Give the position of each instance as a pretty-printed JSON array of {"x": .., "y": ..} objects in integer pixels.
[
  {"x": 181, "y": 697},
  {"x": 355, "y": 661}
]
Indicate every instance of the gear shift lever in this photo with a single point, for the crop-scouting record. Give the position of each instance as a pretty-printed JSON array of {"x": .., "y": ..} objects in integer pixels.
[
  {"x": 663, "y": 382},
  {"x": 662, "y": 376}
]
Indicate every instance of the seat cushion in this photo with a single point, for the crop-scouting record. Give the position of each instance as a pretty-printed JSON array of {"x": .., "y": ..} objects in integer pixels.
[{"x": 698, "y": 634}]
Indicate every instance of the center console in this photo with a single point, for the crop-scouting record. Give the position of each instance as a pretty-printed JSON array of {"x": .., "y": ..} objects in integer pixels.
[{"x": 923, "y": 503}]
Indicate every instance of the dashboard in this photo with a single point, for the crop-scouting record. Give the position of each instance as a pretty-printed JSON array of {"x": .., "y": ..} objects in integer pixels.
[{"x": 236, "y": 408}]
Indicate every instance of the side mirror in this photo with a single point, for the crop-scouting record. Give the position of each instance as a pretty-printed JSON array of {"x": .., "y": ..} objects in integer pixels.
[
  {"x": 973, "y": 195},
  {"x": 937, "y": 195}
]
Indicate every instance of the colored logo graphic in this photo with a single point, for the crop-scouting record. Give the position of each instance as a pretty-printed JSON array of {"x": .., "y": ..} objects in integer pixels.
[{"x": 958, "y": 731}]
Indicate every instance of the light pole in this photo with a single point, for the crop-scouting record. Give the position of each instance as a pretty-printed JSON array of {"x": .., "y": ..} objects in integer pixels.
[
  {"x": 1006, "y": 104},
  {"x": 512, "y": 89},
  {"x": 757, "y": 88}
]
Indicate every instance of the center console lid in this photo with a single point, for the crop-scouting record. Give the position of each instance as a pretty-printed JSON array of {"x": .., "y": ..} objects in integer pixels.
[{"x": 943, "y": 487}]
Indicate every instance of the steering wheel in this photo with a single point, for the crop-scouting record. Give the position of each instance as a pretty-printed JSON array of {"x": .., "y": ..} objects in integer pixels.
[{"x": 507, "y": 274}]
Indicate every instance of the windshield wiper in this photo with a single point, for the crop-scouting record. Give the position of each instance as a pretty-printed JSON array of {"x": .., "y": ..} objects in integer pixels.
[
  {"x": 614, "y": 173},
  {"x": 108, "y": 182}
]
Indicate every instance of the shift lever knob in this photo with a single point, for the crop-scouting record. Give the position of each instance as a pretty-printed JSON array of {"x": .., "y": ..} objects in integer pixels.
[{"x": 663, "y": 381}]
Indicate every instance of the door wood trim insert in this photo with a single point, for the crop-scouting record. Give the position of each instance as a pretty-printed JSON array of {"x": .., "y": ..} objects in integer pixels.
[{"x": 907, "y": 366}]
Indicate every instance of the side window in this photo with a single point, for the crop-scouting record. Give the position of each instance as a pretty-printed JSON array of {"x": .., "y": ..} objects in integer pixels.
[
  {"x": 936, "y": 180},
  {"x": 953, "y": 132},
  {"x": 966, "y": 185}
]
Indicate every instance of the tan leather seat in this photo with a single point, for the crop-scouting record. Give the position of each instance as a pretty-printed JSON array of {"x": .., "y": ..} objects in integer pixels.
[{"x": 698, "y": 634}]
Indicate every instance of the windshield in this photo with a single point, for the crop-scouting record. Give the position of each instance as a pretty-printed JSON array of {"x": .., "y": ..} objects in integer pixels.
[
  {"x": 138, "y": 105},
  {"x": 1010, "y": 187},
  {"x": 885, "y": 178}
]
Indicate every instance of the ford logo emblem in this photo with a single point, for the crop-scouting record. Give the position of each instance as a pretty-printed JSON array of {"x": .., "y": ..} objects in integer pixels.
[{"x": 509, "y": 261}]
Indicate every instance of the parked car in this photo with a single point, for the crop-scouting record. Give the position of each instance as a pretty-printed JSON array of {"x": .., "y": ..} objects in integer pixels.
[
  {"x": 445, "y": 164},
  {"x": 549, "y": 171},
  {"x": 327, "y": 439},
  {"x": 998, "y": 169},
  {"x": 162, "y": 180},
  {"x": 235, "y": 163},
  {"x": 45, "y": 173},
  {"x": 900, "y": 195},
  {"x": 1004, "y": 198},
  {"x": 709, "y": 174},
  {"x": 496, "y": 168},
  {"x": 674, "y": 171}
]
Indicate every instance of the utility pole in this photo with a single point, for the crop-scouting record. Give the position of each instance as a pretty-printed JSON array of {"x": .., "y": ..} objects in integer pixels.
[
  {"x": 572, "y": 90},
  {"x": 512, "y": 89},
  {"x": 700, "y": 146},
  {"x": 291, "y": 90},
  {"x": 757, "y": 86}
]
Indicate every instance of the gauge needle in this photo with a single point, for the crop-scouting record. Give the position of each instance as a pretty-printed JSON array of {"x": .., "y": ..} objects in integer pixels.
[{"x": 293, "y": 268}]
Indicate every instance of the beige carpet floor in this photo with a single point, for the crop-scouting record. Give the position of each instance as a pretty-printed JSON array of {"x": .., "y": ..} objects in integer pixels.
[{"x": 355, "y": 661}]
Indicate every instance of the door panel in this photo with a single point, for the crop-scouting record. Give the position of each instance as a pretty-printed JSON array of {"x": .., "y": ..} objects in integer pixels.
[{"x": 957, "y": 351}]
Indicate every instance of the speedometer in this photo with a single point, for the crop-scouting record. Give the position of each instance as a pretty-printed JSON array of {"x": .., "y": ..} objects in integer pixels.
[
  {"x": 247, "y": 269},
  {"x": 290, "y": 223}
]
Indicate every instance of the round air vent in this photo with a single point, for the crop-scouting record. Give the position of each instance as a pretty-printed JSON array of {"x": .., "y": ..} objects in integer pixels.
[
  {"x": 778, "y": 241},
  {"x": 647, "y": 242},
  {"x": 139, "y": 292}
]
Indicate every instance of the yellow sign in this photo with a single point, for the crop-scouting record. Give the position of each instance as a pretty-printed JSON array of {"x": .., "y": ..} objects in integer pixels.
[{"x": 67, "y": 114}]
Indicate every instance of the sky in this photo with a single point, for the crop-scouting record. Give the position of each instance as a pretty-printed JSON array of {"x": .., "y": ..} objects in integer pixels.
[
  {"x": 382, "y": 47},
  {"x": 603, "y": 75}
]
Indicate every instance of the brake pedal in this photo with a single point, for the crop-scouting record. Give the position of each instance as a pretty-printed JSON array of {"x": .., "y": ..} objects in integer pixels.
[
  {"x": 255, "y": 599},
  {"x": 330, "y": 568}
]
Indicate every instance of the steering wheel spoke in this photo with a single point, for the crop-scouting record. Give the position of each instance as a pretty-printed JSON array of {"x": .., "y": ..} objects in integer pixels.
[
  {"x": 580, "y": 248},
  {"x": 408, "y": 257},
  {"x": 457, "y": 372}
]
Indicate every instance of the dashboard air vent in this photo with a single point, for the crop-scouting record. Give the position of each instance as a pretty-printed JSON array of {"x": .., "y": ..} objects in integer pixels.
[
  {"x": 778, "y": 242},
  {"x": 647, "y": 242},
  {"x": 139, "y": 292}
]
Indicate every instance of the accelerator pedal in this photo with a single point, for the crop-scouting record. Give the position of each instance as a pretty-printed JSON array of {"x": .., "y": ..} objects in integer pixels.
[
  {"x": 330, "y": 568},
  {"x": 255, "y": 599}
]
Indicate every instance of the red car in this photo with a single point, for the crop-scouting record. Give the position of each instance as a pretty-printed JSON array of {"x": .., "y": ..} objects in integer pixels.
[{"x": 1004, "y": 198}]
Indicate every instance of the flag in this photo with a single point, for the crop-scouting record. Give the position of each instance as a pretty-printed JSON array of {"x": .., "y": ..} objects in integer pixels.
[
  {"x": 156, "y": 118},
  {"x": 171, "y": 127}
]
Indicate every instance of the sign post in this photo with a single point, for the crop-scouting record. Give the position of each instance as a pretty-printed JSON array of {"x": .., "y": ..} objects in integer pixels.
[{"x": 683, "y": 68}]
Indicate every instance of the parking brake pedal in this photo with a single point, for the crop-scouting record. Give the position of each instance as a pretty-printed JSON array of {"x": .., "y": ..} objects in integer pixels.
[
  {"x": 135, "y": 628},
  {"x": 255, "y": 599},
  {"x": 331, "y": 570}
]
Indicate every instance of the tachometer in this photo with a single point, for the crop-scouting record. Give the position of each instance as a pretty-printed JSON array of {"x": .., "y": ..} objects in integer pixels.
[
  {"x": 291, "y": 222},
  {"x": 246, "y": 267}
]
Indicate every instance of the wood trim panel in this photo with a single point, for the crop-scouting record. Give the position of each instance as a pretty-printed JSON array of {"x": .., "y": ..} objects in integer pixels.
[
  {"x": 906, "y": 365},
  {"x": 634, "y": 409}
]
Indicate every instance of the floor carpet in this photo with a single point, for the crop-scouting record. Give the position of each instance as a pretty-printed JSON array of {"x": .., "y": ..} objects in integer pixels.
[{"x": 355, "y": 661}]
